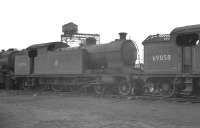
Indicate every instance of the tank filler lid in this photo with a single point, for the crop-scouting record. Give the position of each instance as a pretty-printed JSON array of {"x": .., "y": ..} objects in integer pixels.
[{"x": 186, "y": 29}]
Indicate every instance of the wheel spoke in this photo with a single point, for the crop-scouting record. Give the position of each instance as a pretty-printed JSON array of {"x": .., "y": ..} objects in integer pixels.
[
  {"x": 57, "y": 88},
  {"x": 99, "y": 89},
  {"x": 42, "y": 87},
  {"x": 124, "y": 88},
  {"x": 150, "y": 87},
  {"x": 167, "y": 89}
]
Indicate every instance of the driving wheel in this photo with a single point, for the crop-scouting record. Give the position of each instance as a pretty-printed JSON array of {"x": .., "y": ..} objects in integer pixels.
[
  {"x": 124, "y": 88},
  {"x": 99, "y": 89}
]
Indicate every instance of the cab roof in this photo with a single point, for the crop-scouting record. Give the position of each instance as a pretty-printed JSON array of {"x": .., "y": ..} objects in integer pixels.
[{"x": 186, "y": 29}]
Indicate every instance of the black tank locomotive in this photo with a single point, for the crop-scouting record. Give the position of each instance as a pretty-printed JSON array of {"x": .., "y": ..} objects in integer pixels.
[{"x": 62, "y": 68}]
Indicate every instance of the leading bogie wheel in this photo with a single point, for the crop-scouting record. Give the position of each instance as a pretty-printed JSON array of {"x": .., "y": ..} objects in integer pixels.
[
  {"x": 99, "y": 89},
  {"x": 41, "y": 87},
  {"x": 25, "y": 85},
  {"x": 124, "y": 88},
  {"x": 150, "y": 87},
  {"x": 137, "y": 87}
]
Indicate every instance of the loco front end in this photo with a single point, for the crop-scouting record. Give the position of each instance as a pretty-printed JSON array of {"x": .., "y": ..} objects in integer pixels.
[
  {"x": 114, "y": 62},
  {"x": 117, "y": 54}
]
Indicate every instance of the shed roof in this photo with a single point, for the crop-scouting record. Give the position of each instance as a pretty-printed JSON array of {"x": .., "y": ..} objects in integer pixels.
[{"x": 186, "y": 29}]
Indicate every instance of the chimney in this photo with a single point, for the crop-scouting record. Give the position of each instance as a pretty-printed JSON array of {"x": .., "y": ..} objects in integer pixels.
[{"x": 122, "y": 35}]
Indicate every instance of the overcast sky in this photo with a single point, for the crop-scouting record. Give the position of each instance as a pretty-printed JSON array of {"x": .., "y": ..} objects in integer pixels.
[{"x": 26, "y": 22}]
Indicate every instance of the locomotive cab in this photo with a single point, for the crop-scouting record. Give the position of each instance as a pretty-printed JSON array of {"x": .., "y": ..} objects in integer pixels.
[{"x": 187, "y": 41}]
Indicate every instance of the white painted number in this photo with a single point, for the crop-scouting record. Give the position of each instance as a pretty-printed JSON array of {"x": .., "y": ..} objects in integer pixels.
[{"x": 164, "y": 57}]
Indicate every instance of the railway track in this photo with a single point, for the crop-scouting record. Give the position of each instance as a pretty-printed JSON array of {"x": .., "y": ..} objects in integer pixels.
[
  {"x": 146, "y": 97},
  {"x": 182, "y": 99}
]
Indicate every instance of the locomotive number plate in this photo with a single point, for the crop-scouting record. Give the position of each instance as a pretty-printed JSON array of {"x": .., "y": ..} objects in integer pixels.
[{"x": 164, "y": 57}]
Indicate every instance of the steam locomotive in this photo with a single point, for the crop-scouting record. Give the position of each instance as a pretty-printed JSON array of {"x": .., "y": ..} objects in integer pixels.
[
  {"x": 171, "y": 64},
  {"x": 172, "y": 61}
]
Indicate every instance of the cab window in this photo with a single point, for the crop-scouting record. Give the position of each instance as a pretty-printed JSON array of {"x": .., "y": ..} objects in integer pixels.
[{"x": 191, "y": 39}]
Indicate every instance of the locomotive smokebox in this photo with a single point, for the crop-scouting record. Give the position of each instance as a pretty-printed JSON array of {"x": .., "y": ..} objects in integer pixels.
[{"x": 122, "y": 35}]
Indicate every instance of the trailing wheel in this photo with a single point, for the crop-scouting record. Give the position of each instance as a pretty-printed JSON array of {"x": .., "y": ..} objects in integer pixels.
[
  {"x": 137, "y": 87},
  {"x": 167, "y": 89},
  {"x": 124, "y": 88},
  {"x": 25, "y": 85},
  {"x": 41, "y": 87},
  {"x": 150, "y": 87},
  {"x": 57, "y": 87},
  {"x": 99, "y": 89}
]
